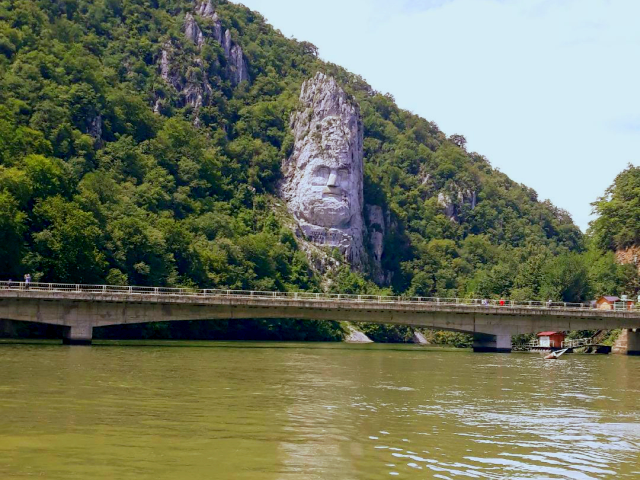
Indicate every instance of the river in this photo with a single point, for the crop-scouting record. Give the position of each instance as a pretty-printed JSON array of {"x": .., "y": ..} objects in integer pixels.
[{"x": 267, "y": 411}]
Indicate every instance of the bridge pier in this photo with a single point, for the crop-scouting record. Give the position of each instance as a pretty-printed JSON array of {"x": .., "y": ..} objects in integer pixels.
[
  {"x": 78, "y": 335},
  {"x": 628, "y": 342},
  {"x": 500, "y": 342}
]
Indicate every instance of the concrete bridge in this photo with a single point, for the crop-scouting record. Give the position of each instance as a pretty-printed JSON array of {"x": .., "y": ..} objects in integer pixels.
[{"x": 81, "y": 308}]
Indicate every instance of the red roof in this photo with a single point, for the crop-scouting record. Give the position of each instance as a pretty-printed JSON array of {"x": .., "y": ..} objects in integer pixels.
[
  {"x": 547, "y": 334},
  {"x": 610, "y": 299}
]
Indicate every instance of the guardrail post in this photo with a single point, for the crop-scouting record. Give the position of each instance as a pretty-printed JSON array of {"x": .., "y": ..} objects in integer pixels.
[
  {"x": 317, "y": 295},
  {"x": 130, "y": 289},
  {"x": 77, "y": 287},
  {"x": 104, "y": 289}
]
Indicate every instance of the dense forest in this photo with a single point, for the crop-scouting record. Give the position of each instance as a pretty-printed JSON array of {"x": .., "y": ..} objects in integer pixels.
[{"x": 137, "y": 148}]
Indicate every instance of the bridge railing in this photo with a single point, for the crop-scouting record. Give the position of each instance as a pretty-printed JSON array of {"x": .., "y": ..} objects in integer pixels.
[{"x": 295, "y": 296}]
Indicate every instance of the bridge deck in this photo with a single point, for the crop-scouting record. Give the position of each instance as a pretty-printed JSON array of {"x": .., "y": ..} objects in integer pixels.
[{"x": 83, "y": 307}]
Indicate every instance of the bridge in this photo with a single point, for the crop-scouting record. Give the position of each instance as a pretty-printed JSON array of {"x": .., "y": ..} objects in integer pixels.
[{"x": 81, "y": 308}]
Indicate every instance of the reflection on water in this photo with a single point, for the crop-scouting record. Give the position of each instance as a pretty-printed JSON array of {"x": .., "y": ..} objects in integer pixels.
[{"x": 297, "y": 411}]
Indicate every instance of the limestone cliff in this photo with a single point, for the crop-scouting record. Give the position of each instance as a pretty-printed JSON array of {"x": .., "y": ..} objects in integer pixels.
[
  {"x": 324, "y": 174},
  {"x": 377, "y": 223},
  {"x": 237, "y": 66},
  {"x": 192, "y": 30},
  {"x": 191, "y": 82},
  {"x": 453, "y": 200}
]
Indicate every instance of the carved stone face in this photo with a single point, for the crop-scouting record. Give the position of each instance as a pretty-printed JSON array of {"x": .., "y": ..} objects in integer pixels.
[
  {"x": 324, "y": 174},
  {"x": 326, "y": 184}
]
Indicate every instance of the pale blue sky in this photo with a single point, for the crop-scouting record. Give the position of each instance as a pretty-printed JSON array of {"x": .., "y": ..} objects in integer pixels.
[{"x": 547, "y": 90}]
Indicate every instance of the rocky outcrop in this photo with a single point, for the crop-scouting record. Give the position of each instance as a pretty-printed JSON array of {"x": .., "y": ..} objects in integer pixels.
[
  {"x": 377, "y": 223},
  {"x": 192, "y": 30},
  {"x": 323, "y": 177},
  {"x": 452, "y": 202},
  {"x": 237, "y": 67},
  {"x": 206, "y": 10},
  {"x": 95, "y": 130},
  {"x": 192, "y": 85},
  {"x": 629, "y": 256},
  {"x": 165, "y": 67},
  {"x": 419, "y": 338},
  {"x": 354, "y": 335}
]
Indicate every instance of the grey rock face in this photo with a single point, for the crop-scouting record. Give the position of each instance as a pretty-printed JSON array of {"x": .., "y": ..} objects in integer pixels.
[
  {"x": 324, "y": 174},
  {"x": 95, "y": 127},
  {"x": 452, "y": 202},
  {"x": 376, "y": 225},
  {"x": 238, "y": 69},
  {"x": 192, "y": 30},
  {"x": 169, "y": 76},
  {"x": 206, "y": 10},
  {"x": 193, "y": 85},
  {"x": 419, "y": 338},
  {"x": 356, "y": 336}
]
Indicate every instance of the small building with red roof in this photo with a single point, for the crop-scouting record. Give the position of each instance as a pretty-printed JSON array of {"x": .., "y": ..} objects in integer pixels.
[
  {"x": 610, "y": 302},
  {"x": 551, "y": 339},
  {"x": 606, "y": 302}
]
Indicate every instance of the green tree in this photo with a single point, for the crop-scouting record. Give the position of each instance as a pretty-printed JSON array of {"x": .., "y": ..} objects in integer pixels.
[{"x": 66, "y": 246}]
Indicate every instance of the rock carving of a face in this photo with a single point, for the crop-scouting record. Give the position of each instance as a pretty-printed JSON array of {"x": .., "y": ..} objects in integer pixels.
[
  {"x": 326, "y": 185},
  {"x": 323, "y": 176}
]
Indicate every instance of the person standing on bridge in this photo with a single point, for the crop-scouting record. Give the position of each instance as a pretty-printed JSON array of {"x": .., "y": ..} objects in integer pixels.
[
  {"x": 27, "y": 280},
  {"x": 502, "y": 302}
]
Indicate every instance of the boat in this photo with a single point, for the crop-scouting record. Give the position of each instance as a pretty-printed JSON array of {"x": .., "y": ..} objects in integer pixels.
[{"x": 556, "y": 354}]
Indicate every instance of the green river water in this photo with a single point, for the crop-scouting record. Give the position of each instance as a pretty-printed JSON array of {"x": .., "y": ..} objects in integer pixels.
[{"x": 267, "y": 411}]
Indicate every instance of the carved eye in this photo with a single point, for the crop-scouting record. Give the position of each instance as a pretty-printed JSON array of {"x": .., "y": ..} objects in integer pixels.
[
  {"x": 343, "y": 174},
  {"x": 321, "y": 175}
]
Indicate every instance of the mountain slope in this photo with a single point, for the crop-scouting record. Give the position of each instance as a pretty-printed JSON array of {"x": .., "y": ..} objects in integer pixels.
[{"x": 142, "y": 142}]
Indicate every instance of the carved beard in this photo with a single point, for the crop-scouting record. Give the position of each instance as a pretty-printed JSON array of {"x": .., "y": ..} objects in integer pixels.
[{"x": 326, "y": 210}]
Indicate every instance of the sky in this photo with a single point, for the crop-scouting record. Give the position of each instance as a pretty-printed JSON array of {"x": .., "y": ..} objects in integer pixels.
[{"x": 547, "y": 90}]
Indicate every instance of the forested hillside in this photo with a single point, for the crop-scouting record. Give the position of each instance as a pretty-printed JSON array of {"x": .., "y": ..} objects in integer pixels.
[{"x": 141, "y": 145}]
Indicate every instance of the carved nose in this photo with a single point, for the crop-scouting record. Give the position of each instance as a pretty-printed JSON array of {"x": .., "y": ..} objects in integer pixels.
[{"x": 333, "y": 180}]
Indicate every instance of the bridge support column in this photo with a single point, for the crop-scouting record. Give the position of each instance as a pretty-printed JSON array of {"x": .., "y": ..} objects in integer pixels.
[
  {"x": 500, "y": 342},
  {"x": 628, "y": 342},
  {"x": 78, "y": 335}
]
